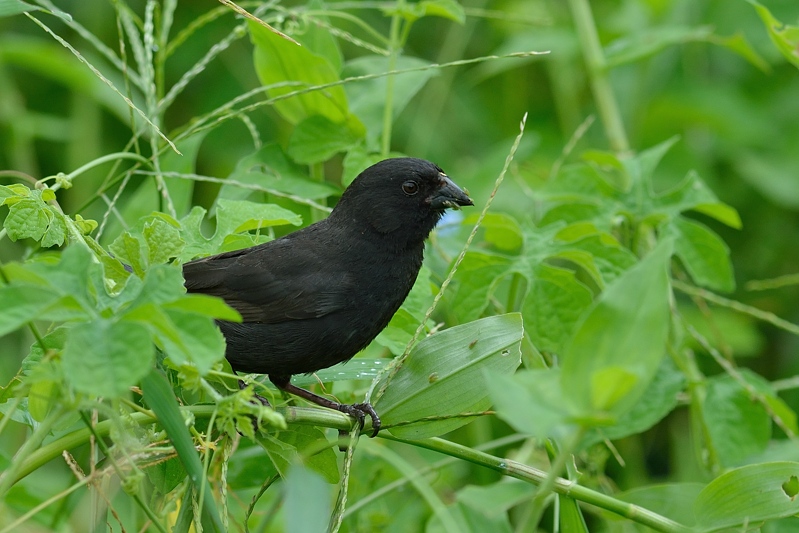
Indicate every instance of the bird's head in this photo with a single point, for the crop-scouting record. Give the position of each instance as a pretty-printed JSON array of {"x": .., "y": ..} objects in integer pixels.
[{"x": 401, "y": 196}]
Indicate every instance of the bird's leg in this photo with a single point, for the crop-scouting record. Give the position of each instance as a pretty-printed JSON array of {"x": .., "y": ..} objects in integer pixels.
[
  {"x": 257, "y": 396},
  {"x": 358, "y": 410}
]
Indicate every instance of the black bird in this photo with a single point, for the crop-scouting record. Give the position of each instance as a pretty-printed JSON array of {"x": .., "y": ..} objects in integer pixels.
[{"x": 318, "y": 296}]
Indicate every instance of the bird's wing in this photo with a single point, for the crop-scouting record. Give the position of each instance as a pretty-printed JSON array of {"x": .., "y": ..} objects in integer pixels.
[{"x": 272, "y": 283}]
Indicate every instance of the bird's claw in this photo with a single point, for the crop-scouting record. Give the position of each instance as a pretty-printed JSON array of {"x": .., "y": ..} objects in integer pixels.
[{"x": 359, "y": 411}]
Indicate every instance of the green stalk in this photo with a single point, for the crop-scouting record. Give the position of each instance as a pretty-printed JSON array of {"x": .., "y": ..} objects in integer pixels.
[
  {"x": 32, "y": 445},
  {"x": 606, "y": 103},
  {"x": 529, "y": 474},
  {"x": 394, "y": 45}
]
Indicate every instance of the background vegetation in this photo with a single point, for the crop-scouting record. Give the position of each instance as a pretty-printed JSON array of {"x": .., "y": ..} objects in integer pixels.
[{"x": 638, "y": 264}]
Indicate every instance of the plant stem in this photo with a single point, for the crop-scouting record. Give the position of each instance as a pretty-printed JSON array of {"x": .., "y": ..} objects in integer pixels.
[
  {"x": 32, "y": 445},
  {"x": 598, "y": 73},
  {"x": 394, "y": 45},
  {"x": 561, "y": 486}
]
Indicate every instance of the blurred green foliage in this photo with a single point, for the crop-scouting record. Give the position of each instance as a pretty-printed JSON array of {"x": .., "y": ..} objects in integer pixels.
[{"x": 658, "y": 154}]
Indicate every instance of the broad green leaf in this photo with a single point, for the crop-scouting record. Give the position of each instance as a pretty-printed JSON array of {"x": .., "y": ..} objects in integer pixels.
[
  {"x": 202, "y": 304},
  {"x": 444, "y": 375},
  {"x": 603, "y": 193},
  {"x": 278, "y": 61},
  {"x": 270, "y": 168},
  {"x": 201, "y": 343},
  {"x": 357, "y": 368},
  {"x": 163, "y": 240},
  {"x": 304, "y": 441},
  {"x": 27, "y": 218},
  {"x": 316, "y": 139},
  {"x": 501, "y": 230},
  {"x": 748, "y": 495},
  {"x": 555, "y": 302},
  {"x": 496, "y": 498},
  {"x": 22, "y": 303},
  {"x": 235, "y": 216},
  {"x": 658, "y": 401},
  {"x": 319, "y": 39},
  {"x": 105, "y": 358},
  {"x": 250, "y": 466},
  {"x": 478, "y": 275},
  {"x": 131, "y": 251},
  {"x": 595, "y": 251},
  {"x": 609, "y": 385},
  {"x": 737, "y": 425},
  {"x": 785, "y": 37},
  {"x": 307, "y": 501},
  {"x": 56, "y": 232},
  {"x": 705, "y": 256},
  {"x": 532, "y": 402},
  {"x": 625, "y": 329},
  {"x": 738, "y": 332}
]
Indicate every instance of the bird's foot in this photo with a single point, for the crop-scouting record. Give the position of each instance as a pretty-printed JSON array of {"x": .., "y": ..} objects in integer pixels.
[
  {"x": 260, "y": 399},
  {"x": 359, "y": 412},
  {"x": 263, "y": 401}
]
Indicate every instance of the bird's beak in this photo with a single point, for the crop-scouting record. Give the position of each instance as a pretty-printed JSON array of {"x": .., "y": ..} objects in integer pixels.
[{"x": 448, "y": 195}]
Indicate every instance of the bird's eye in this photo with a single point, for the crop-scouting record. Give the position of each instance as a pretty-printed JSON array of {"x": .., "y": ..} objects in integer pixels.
[{"x": 410, "y": 187}]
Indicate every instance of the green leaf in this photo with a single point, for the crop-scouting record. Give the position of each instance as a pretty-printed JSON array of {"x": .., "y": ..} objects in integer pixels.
[
  {"x": 201, "y": 343},
  {"x": 278, "y": 60},
  {"x": 316, "y": 139},
  {"x": 22, "y": 303},
  {"x": 705, "y": 256},
  {"x": 625, "y": 330},
  {"x": 496, "y": 498},
  {"x": 555, "y": 302},
  {"x": 784, "y": 37},
  {"x": 532, "y": 402},
  {"x": 27, "y": 218},
  {"x": 105, "y": 358},
  {"x": 444, "y": 375},
  {"x": 159, "y": 397},
  {"x": 235, "y": 216},
  {"x": 501, "y": 230},
  {"x": 738, "y": 426},
  {"x": 658, "y": 401},
  {"x": 307, "y": 501},
  {"x": 132, "y": 251},
  {"x": 748, "y": 495},
  {"x": 478, "y": 275},
  {"x": 56, "y": 232},
  {"x": 162, "y": 235},
  {"x": 571, "y": 517},
  {"x": 305, "y": 441},
  {"x": 202, "y": 304},
  {"x": 269, "y": 168},
  {"x": 15, "y": 7}
]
